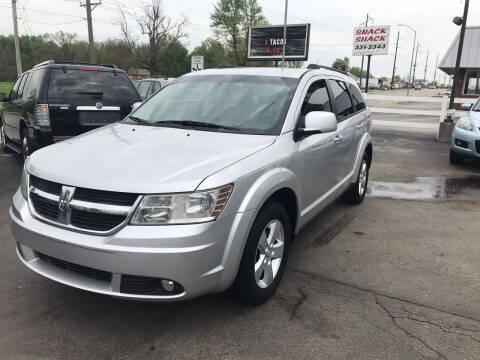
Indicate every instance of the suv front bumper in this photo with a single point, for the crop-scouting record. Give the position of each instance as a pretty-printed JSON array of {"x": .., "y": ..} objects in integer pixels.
[{"x": 201, "y": 258}]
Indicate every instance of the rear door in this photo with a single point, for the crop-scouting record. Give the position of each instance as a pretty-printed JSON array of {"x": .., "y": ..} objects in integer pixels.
[
  {"x": 360, "y": 118},
  {"x": 13, "y": 108},
  {"x": 83, "y": 98}
]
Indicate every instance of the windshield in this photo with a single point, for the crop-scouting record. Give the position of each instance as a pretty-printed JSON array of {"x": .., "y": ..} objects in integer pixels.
[
  {"x": 476, "y": 107},
  {"x": 230, "y": 103}
]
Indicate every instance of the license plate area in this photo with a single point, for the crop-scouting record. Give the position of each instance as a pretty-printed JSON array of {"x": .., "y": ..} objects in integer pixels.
[{"x": 95, "y": 118}]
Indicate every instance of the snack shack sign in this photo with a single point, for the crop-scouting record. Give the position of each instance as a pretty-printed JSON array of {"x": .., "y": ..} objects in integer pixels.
[{"x": 371, "y": 40}]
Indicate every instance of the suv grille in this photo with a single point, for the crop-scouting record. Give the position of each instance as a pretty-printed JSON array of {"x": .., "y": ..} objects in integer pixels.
[{"x": 92, "y": 210}]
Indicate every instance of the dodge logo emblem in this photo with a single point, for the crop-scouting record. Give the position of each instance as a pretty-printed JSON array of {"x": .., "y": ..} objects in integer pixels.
[
  {"x": 64, "y": 204},
  {"x": 98, "y": 105}
]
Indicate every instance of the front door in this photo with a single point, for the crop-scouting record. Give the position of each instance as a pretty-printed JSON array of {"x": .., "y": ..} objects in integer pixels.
[{"x": 12, "y": 109}]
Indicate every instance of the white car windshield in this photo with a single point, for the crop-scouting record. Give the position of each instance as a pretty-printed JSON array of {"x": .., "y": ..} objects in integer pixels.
[{"x": 231, "y": 103}]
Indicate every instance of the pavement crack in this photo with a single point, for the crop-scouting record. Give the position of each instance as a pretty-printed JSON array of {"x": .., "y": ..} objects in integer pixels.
[
  {"x": 374, "y": 292},
  {"x": 293, "y": 308},
  {"x": 405, "y": 331}
]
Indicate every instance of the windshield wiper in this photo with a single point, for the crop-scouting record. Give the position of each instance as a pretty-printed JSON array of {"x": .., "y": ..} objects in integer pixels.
[
  {"x": 137, "y": 119},
  {"x": 200, "y": 124},
  {"x": 97, "y": 93}
]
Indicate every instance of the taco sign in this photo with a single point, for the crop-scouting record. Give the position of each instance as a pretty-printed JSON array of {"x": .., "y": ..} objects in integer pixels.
[{"x": 371, "y": 40}]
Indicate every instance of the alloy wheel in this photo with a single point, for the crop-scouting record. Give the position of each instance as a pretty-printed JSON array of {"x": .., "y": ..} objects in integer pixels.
[
  {"x": 269, "y": 254},
  {"x": 2, "y": 137},
  {"x": 25, "y": 148},
  {"x": 362, "y": 180}
]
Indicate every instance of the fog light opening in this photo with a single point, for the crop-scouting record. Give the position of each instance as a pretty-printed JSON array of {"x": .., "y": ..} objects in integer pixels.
[{"x": 168, "y": 285}]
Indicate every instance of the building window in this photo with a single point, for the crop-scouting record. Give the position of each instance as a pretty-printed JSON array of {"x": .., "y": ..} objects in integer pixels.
[{"x": 472, "y": 82}]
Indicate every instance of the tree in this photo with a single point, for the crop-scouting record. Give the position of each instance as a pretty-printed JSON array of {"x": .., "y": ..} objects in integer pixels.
[
  {"x": 342, "y": 64},
  {"x": 213, "y": 51},
  {"x": 355, "y": 70},
  {"x": 230, "y": 21},
  {"x": 161, "y": 31}
]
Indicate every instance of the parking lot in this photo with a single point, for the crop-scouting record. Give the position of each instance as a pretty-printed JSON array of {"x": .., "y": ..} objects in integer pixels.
[{"x": 395, "y": 278}]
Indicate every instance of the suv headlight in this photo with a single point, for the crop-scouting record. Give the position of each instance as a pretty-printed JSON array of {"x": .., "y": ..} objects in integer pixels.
[
  {"x": 24, "y": 183},
  {"x": 464, "y": 124},
  {"x": 184, "y": 208}
]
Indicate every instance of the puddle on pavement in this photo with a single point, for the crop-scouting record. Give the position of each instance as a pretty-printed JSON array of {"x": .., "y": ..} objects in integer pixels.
[{"x": 429, "y": 189}]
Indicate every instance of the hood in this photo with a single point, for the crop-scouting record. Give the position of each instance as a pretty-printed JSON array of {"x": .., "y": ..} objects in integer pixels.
[{"x": 142, "y": 159}]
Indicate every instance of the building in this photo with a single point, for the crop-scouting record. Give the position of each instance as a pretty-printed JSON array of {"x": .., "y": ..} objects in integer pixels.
[{"x": 469, "y": 71}]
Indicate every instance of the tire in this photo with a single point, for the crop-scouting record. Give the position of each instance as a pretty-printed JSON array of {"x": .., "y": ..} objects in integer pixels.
[
  {"x": 456, "y": 159},
  {"x": 262, "y": 252},
  {"x": 356, "y": 192},
  {"x": 25, "y": 146},
  {"x": 3, "y": 139}
]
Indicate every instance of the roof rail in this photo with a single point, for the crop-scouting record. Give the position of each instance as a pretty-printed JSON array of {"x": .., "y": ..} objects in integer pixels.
[
  {"x": 45, "y": 63},
  {"x": 316, "y": 66},
  {"x": 48, "y": 62}
]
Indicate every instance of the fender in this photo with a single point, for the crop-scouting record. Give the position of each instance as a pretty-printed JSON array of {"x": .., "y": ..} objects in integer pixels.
[
  {"x": 258, "y": 193},
  {"x": 364, "y": 142}
]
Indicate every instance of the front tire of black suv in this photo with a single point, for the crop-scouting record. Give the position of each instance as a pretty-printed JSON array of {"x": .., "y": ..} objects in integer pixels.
[
  {"x": 356, "y": 193},
  {"x": 3, "y": 138},
  {"x": 25, "y": 146},
  {"x": 264, "y": 257}
]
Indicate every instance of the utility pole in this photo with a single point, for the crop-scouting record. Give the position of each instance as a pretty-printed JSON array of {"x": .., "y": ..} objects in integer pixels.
[
  {"x": 363, "y": 56},
  {"x": 435, "y": 72},
  {"x": 395, "y": 61},
  {"x": 459, "y": 58},
  {"x": 284, "y": 33},
  {"x": 426, "y": 66},
  {"x": 15, "y": 36},
  {"x": 91, "y": 45},
  {"x": 368, "y": 73},
  {"x": 415, "y": 64}
]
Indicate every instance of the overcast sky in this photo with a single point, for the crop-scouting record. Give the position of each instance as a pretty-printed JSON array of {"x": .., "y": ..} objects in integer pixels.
[{"x": 332, "y": 24}]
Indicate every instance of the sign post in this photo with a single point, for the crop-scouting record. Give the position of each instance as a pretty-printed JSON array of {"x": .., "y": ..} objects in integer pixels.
[
  {"x": 197, "y": 63},
  {"x": 266, "y": 43},
  {"x": 370, "y": 40}
]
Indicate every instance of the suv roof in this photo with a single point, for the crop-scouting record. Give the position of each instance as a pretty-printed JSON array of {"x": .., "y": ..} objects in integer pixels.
[
  {"x": 57, "y": 64},
  {"x": 270, "y": 71}
]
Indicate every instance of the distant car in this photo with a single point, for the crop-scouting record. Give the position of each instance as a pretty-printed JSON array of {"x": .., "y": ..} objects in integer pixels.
[
  {"x": 432, "y": 87},
  {"x": 447, "y": 92},
  {"x": 418, "y": 87},
  {"x": 148, "y": 87},
  {"x": 465, "y": 141},
  {"x": 395, "y": 86},
  {"x": 55, "y": 101}
]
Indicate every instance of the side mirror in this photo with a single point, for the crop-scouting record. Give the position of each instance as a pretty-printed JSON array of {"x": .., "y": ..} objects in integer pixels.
[
  {"x": 317, "y": 122},
  {"x": 135, "y": 106},
  {"x": 3, "y": 97},
  {"x": 466, "y": 107}
]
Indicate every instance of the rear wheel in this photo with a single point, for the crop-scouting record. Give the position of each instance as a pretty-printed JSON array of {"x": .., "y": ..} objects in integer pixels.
[
  {"x": 25, "y": 147},
  {"x": 356, "y": 193},
  {"x": 3, "y": 139},
  {"x": 264, "y": 257},
  {"x": 456, "y": 159}
]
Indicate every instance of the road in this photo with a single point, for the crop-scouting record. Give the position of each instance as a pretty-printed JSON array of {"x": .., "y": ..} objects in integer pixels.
[{"x": 389, "y": 279}]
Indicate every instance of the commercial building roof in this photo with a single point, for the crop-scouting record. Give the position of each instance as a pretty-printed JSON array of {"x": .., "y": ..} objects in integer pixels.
[{"x": 470, "y": 53}]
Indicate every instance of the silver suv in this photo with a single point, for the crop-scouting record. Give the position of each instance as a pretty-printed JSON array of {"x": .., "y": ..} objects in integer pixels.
[{"x": 201, "y": 189}]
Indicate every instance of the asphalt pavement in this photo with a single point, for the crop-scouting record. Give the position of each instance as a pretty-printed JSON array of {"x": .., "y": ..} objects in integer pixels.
[{"x": 393, "y": 278}]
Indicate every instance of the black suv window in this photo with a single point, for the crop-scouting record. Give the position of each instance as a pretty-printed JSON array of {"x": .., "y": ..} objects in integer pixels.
[
  {"x": 33, "y": 87},
  {"x": 357, "y": 97},
  {"x": 21, "y": 87},
  {"x": 14, "y": 91},
  {"x": 87, "y": 83},
  {"x": 342, "y": 99}
]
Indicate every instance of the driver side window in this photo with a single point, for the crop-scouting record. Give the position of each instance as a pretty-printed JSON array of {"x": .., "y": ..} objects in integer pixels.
[{"x": 316, "y": 99}]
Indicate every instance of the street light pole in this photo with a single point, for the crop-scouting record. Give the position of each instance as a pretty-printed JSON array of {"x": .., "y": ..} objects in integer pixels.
[
  {"x": 395, "y": 61},
  {"x": 413, "y": 53},
  {"x": 363, "y": 56},
  {"x": 284, "y": 33}
]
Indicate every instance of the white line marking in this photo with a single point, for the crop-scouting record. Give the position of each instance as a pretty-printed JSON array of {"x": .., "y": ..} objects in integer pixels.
[{"x": 405, "y": 124}]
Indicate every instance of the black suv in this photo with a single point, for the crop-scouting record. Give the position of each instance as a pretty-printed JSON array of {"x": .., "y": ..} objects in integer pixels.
[{"x": 55, "y": 101}]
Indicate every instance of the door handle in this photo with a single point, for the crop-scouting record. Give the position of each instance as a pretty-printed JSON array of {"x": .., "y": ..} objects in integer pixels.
[{"x": 337, "y": 139}]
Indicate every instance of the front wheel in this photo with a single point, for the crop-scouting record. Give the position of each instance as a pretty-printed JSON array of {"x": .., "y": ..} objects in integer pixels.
[
  {"x": 456, "y": 159},
  {"x": 356, "y": 193},
  {"x": 264, "y": 257},
  {"x": 3, "y": 138},
  {"x": 25, "y": 146}
]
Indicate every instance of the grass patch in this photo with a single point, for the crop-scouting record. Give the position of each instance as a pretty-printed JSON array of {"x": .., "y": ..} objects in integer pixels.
[{"x": 5, "y": 87}]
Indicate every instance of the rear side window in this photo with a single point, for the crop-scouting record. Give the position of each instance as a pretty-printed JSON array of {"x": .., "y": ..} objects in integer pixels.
[
  {"x": 33, "y": 88},
  {"x": 154, "y": 88},
  {"x": 357, "y": 97},
  {"x": 342, "y": 100},
  {"x": 21, "y": 87},
  {"x": 85, "y": 84},
  {"x": 14, "y": 91}
]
